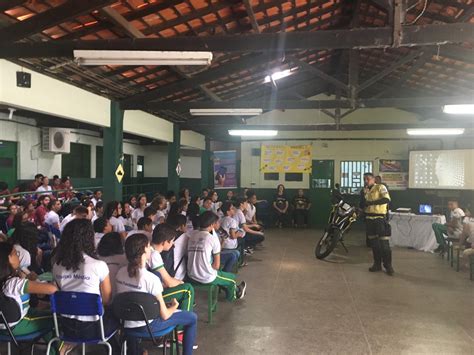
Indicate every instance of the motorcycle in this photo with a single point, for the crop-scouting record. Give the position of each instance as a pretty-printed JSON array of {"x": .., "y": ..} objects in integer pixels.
[{"x": 340, "y": 219}]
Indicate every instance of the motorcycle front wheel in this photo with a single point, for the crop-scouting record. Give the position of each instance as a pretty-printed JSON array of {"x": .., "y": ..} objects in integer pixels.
[{"x": 327, "y": 243}]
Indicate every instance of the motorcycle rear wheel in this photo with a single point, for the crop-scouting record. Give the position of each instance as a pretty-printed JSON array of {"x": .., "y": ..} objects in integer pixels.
[{"x": 327, "y": 243}]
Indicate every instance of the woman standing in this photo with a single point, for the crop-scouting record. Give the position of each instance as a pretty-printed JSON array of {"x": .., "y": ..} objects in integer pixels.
[{"x": 280, "y": 206}]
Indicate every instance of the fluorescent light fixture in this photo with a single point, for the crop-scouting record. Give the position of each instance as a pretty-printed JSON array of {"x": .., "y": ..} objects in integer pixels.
[
  {"x": 103, "y": 57},
  {"x": 253, "y": 132},
  {"x": 225, "y": 111},
  {"x": 459, "y": 109},
  {"x": 279, "y": 75},
  {"x": 435, "y": 131}
]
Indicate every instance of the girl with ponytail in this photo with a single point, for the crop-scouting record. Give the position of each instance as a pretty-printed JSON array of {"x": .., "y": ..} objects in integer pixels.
[{"x": 136, "y": 278}]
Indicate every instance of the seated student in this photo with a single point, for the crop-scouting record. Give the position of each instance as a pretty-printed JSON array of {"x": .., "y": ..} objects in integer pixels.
[
  {"x": 112, "y": 212},
  {"x": 233, "y": 233},
  {"x": 144, "y": 226},
  {"x": 170, "y": 199},
  {"x": 180, "y": 253},
  {"x": 52, "y": 217},
  {"x": 151, "y": 213},
  {"x": 29, "y": 208},
  {"x": 25, "y": 242},
  {"x": 216, "y": 204},
  {"x": 453, "y": 228},
  {"x": 180, "y": 207},
  {"x": 101, "y": 227},
  {"x": 44, "y": 188},
  {"x": 159, "y": 204},
  {"x": 98, "y": 211},
  {"x": 42, "y": 209},
  {"x": 230, "y": 197},
  {"x": 110, "y": 250},
  {"x": 204, "y": 195},
  {"x": 32, "y": 319},
  {"x": 96, "y": 197},
  {"x": 162, "y": 241},
  {"x": 184, "y": 194},
  {"x": 280, "y": 206},
  {"x": 76, "y": 268},
  {"x": 206, "y": 205},
  {"x": 301, "y": 205},
  {"x": 204, "y": 259},
  {"x": 126, "y": 217},
  {"x": 194, "y": 208},
  {"x": 13, "y": 210},
  {"x": 138, "y": 212},
  {"x": 80, "y": 212},
  {"x": 135, "y": 278},
  {"x": 251, "y": 211},
  {"x": 251, "y": 237}
]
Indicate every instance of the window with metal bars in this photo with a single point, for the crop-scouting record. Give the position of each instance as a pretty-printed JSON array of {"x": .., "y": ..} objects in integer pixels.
[{"x": 352, "y": 175}]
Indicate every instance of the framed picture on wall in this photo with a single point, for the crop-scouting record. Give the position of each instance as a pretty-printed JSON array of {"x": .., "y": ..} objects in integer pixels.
[{"x": 393, "y": 166}]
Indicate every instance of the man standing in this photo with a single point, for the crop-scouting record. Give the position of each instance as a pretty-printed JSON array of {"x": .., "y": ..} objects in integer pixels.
[
  {"x": 375, "y": 201},
  {"x": 453, "y": 228}
]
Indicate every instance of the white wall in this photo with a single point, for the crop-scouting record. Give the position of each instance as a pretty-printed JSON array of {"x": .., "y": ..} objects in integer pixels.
[
  {"x": 31, "y": 159},
  {"x": 337, "y": 150}
]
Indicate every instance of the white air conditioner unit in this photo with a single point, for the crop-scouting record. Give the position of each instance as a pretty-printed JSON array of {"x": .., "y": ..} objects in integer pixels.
[{"x": 56, "y": 140}]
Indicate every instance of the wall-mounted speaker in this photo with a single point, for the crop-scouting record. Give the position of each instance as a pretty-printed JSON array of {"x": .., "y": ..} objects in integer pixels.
[{"x": 23, "y": 80}]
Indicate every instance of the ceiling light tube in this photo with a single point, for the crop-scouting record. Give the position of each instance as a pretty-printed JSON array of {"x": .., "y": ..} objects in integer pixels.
[
  {"x": 253, "y": 132},
  {"x": 435, "y": 131},
  {"x": 104, "y": 57},
  {"x": 279, "y": 75},
  {"x": 225, "y": 111},
  {"x": 467, "y": 109}
]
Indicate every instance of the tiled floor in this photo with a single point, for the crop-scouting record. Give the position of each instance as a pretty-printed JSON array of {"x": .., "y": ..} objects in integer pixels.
[{"x": 297, "y": 304}]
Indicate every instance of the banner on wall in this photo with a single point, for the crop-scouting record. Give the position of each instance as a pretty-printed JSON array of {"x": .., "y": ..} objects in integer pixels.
[
  {"x": 286, "y": 158},
  {"x": 394, "y": 166},
  {"x": 225, "y": 169},
  {"x": 395, "y": 181},
  {"x": 394, "y": 173}
]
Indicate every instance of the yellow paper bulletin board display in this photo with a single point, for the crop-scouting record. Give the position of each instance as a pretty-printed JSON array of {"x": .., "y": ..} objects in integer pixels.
[{"x": 286, "y": 158}]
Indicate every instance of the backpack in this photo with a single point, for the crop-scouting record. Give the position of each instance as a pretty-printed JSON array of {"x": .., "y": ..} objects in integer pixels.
[
  {"x": 9, "y": 310},
  {"x": 168, "y": 259}
]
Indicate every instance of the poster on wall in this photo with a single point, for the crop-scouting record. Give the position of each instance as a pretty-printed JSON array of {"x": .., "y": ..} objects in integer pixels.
[
  {"x": 225, "y": 169},
  {"x": 395, "y": 181},
  {"x": 286, "y": 158},
  {"x": 393, "y": 166}
]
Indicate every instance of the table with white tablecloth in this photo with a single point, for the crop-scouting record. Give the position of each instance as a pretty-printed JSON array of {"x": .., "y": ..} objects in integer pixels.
[{"x": 414, "y": 231}]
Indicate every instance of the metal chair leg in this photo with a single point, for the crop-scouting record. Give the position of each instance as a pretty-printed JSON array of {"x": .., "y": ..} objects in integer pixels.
[
  {"x": 83, "y": 349},
  {"x": 9, "y": 348},
  {"x": 50, "y": 343}
]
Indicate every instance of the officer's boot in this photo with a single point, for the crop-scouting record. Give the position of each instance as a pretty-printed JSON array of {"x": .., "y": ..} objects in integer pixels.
[
  {"x": 387, "y": 257},
  {"x": 377, "y": 252}
]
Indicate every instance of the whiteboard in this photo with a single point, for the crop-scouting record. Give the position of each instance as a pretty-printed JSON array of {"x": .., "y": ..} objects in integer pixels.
[{"x": 442, "y": 169}]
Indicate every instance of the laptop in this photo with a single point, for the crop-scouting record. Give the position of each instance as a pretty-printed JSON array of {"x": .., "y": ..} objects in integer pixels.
[{"x": 425, "y": 209}]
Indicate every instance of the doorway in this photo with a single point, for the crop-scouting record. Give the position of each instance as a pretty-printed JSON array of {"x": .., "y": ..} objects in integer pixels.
[
  {"x": 321, "y": 183},
  {"x": 8, "y": 163}
]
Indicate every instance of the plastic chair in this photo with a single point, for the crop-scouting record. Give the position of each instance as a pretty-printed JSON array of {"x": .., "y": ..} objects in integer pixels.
[
  {"x": 212, "y": 297},
  {"x": 141, "y": 306},
  {"x": 10, "y": 313},
  {"x": 79, "y": 304}
]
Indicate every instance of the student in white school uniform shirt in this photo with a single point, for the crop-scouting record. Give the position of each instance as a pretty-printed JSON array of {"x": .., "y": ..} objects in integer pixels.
[
  {"x": 96, "y": 197},
  {"x": 136, "y": 278},
  {"x": 162, "y": 242},
  {"x": 19, "y": 289},
  {"x": 179, "y": 223},
  {"x": 52, "y": 217},
  {"x": 113, "y": 211},
  {"x": 80, "y": 212},
  {"x": 140, "y": 210},
  {"x": 232, "y": 230},
  {"x": 204, "y": 259},
  {"x": 76, "y": 268}
]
